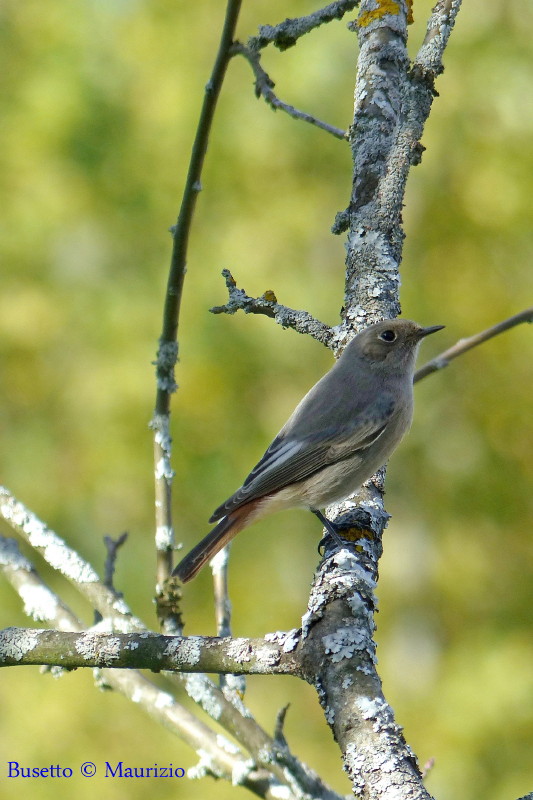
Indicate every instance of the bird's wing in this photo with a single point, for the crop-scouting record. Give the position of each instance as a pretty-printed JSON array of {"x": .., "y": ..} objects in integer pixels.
[{"x": 289, "y": 460}]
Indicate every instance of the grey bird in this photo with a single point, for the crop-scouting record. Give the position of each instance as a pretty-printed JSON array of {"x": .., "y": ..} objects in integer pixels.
[{"x": 340, "y": 433}]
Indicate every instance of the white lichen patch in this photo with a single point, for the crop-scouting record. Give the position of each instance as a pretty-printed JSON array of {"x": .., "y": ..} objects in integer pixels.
[
  {"x": 162, "y": 435},
  {"x": 288, "y": 640},
  {"x": 344, "y": 642},
  {"x": 184, "y": 650},
  {"x": 265, "y": 755},
  {"x": 98, "y": 647},
  {"x": 164, "y": 470},
  {"x": 373, "y": 708},
  {"x": 54, "y": 549},
  {"x": 280, "y": 792},
  {"x": 62, "y": 558},
  {"x": 239, "y": 650},
  {"x": 137, "y": 695},
  {"x": 329, "y": 713},
  {"x": 164, "y": 537},
  {"x": 268, "y": 657},
  {"x": 240, "y": 771},
  {"x": 164, "y": 700},
  {"x": 16, "y": 642},
  {"x": 198, "y": 688},
  {"x": 121, "y": 607},
  {"x": 205, "y": 766},
  {"x": 226, "y": 745},
  {"x": 39, "y": 602},
  {"x": 345, "y": 559},
  {"x": 219, "y": 562},
  {"x": 10, "y": 555}
]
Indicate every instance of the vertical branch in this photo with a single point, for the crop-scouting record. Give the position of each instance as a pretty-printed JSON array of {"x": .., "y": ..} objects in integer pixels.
[
  {"x": 167, "y": 355},
  {"x": 375, "y": 237},
  {"x": 392, "y": 103}
]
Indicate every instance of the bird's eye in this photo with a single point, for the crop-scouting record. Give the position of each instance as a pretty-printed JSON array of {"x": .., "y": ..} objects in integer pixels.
[{"x": 387, "y": 336}]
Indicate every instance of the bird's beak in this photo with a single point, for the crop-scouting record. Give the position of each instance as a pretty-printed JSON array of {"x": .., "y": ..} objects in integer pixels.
[{"x": 431, "y": 329}]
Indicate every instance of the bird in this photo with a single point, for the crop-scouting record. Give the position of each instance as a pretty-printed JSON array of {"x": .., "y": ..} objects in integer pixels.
[{"x": 339, "y": 435}]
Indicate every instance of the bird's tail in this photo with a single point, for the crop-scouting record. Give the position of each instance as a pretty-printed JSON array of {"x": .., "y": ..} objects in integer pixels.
[{"x": 215, "y": 540}]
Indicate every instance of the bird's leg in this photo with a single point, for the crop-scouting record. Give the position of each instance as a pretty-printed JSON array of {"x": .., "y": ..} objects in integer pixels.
[{"x": 330, "y": 527}]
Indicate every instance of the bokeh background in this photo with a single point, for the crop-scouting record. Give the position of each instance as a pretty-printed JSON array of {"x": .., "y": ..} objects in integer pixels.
[{"x": 99, "y": 101}]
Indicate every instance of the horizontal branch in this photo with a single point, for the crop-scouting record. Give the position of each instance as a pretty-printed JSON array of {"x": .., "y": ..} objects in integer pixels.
[
  {"x": 264, "y": 86},
  {"x": 218, "y": 757},
  {"x": 299, "y": 321},
  {"x": 287, "y": 33},
  {"x": 146, "y": 650},
  {"x": 269, "y": 771},
  {"x": 463, "y": 345}
]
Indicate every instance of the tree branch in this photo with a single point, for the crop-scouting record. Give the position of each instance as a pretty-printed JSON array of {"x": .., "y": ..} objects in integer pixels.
[
  {"x": 220, "y": 758},
  {"x": 463, "y": 345},
  {"x": 146, "y": 650},
  {"x": 168, "y": 349},
  {"x": 428, "y": 62},
  {"x": 299, "y": 321},
  {"x": 264, "y": 86},
  {"x": 285, "y": 767},
  {"x": 287, "y": 33}
]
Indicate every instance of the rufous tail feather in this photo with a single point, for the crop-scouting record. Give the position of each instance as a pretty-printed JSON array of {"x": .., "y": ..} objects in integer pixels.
[{"x": 215, "y": 540}]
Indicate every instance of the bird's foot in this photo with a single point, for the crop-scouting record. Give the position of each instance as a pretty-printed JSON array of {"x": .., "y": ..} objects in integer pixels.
[{"x": 331, "y": 532}]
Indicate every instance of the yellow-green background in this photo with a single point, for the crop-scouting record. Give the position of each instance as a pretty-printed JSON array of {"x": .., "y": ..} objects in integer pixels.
[{"x": 98, "y": 107}]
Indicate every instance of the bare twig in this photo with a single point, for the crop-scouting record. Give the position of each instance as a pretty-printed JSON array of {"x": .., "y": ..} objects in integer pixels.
[
  {"x": 233, "y": 686},
  {"x": 264, "y": 86},
  {"x": 287, "y": 33},
  {"x": 168, "y": 348},
  {"x": 299, "y": 321},
  {"x": 112, "y": 547},
  {"x": 219, "y": 567},
  {"x": 463, "y": 345}
]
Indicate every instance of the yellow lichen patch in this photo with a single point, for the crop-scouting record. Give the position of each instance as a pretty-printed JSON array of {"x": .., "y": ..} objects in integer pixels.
[
  {"x": 354, "y": 534},
  {"x": 410, "y": 17},
  {"x": 270, "y": 296},
  {"x": 383, "y": 7}
]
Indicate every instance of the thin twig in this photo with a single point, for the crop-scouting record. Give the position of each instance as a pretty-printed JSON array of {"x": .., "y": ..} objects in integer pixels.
[
  {"x": 287, "y": 33},
  {"x": 233, "y": 686},
  {"x": 299, "y": 321},
  {"x": 463, "y": 345},
  {"x": 168, "y": 348},
  {"x": 112, "y": 547},
  {"x": 264, "y": 86},
  {"x": 219, "y": 566}
]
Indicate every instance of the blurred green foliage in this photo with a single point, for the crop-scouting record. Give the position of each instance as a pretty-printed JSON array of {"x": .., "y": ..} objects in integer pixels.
[{"x": 98, "y": 105}]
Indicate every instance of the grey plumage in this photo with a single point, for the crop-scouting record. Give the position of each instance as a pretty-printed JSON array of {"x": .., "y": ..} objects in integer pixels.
[{"x": 341, "y": 432}]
